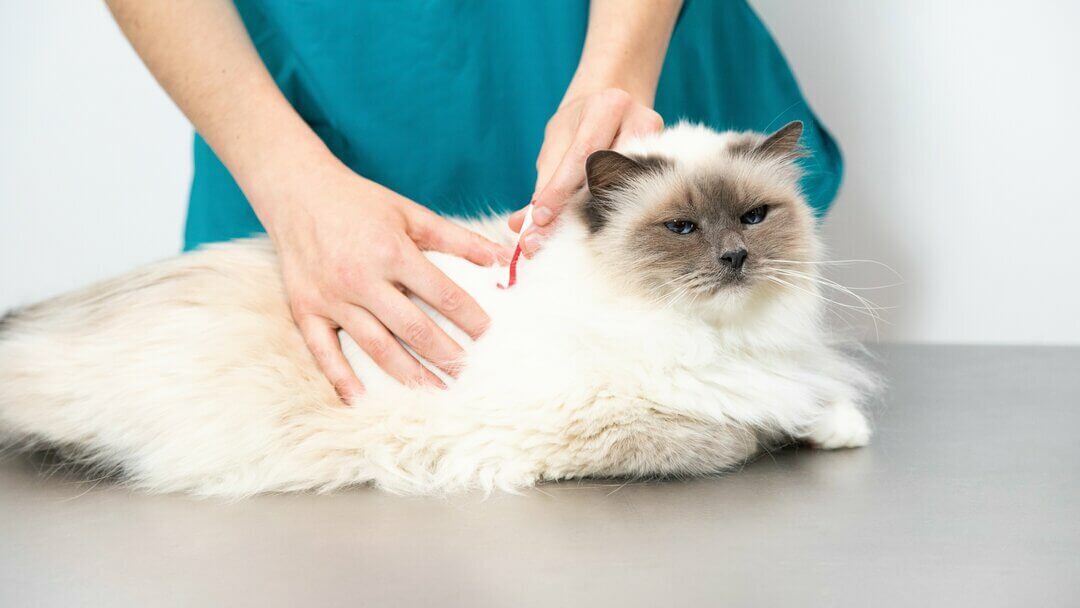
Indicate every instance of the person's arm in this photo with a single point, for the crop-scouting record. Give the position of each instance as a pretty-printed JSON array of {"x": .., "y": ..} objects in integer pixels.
[
  {"x": 609, "y": 99},
  {"x": 347, "y": 245}
]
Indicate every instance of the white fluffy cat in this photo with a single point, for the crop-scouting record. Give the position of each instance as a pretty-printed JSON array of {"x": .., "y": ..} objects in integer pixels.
[{"x": 671, "y": 326}]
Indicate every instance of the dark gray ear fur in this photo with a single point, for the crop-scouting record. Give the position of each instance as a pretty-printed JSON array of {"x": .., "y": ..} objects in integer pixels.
[
  {"x": 784, "y": 143},
  {"x": 605, "y": 172}
]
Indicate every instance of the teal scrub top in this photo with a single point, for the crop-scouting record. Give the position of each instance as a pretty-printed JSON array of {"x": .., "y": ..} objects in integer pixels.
[{"x": 445, "y": 101}]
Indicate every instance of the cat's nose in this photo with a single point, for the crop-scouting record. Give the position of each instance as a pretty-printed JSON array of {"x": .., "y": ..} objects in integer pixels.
[{"x": 733, "y": 258}]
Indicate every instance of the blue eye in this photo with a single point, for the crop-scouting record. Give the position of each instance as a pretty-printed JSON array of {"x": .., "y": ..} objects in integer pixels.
[
  {"x": 680, "y": 226},
  {"x": 755, "y": 215}
]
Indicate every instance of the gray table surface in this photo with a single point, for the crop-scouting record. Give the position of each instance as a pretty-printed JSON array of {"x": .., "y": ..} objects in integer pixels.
[{"x": 967, "y": 497}]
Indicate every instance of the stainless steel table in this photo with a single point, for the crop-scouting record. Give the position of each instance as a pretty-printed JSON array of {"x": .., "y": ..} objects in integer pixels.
[{"x": 967, "y": 497}]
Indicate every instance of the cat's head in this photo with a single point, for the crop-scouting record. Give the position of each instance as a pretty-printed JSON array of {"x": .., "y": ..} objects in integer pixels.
[{"x": 701, "y": 218}]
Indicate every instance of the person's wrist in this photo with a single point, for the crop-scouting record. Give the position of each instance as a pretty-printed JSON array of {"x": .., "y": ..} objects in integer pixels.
[
  {"x": 591, "y": 81},
  {"x": 282, "y": 185}
]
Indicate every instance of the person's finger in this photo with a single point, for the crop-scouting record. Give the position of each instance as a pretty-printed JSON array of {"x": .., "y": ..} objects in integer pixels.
[
  {"x": 375, "y": 340},
  {"x": 639, "y": 121},
  {"x": 533, "y": 238},
  {"x": 556, "y": 142},
  {"x": 434, "y": 287},
  {"x": 405, "y": 319},
  {"x": 516, "y": 219},
  {"x": 432, "y": 232},
  {"x": 599, "y": 124},
  {"x": 321, "y": 338}
]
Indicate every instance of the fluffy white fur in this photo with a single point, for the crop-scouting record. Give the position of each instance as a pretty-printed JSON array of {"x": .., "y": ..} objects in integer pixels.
[{"x": 190, "y": 376}]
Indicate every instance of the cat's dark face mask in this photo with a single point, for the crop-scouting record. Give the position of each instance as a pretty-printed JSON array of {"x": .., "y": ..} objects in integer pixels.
[{"x": 705, "y": 233}]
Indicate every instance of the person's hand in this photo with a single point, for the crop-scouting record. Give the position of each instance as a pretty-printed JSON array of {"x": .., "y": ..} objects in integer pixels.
[
  {"x": 350, "y": 253},
  {"x": 582, "y": 125}
]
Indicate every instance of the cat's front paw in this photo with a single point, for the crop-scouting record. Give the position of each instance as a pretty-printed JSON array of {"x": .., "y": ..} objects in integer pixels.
[{"x": 841, "y": 425}]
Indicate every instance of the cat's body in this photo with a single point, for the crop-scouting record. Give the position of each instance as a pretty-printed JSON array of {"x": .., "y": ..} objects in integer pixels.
[{"x": 189, "y": 374}]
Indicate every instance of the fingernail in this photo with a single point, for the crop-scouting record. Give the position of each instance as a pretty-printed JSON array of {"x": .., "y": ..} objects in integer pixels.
[
  {"x": 478, "y": 333},
  {"x": 541, "y": 215},
  {"x": 530, "y": 243},
  {"x": 428, "y": 380}
]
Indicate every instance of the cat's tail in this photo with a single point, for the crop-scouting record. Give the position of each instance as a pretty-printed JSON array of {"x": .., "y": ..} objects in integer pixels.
[
  {"x": 27, "y": 354},
  {"x": 16, "y": 367},
  {"x": 69, "y": 368},
  {"x": 6, "y": 321}
]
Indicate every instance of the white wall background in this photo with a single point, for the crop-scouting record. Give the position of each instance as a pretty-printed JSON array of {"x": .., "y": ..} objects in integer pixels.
[{"x": 960, "y": 121}]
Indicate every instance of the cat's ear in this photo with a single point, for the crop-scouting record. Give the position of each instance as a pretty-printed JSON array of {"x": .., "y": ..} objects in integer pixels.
[
  {"x": 606, "y": 170},
  {"x": 784, "y": 143}
]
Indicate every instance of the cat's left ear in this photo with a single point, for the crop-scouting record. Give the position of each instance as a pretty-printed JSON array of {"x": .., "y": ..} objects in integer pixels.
[{"x": 784, "y": 143}]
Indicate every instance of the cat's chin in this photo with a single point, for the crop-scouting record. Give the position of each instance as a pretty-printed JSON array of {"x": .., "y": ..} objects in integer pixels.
[
  {"x": 735, "y": 302},
  {"x": 726, "y": 302}
]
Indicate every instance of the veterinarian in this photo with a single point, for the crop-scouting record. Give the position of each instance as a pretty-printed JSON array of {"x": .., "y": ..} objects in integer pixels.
[{"x": 346, "y": 129}]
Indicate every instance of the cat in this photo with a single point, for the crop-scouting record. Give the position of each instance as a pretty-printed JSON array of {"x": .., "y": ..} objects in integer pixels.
[{"x": 671, "y": 326}]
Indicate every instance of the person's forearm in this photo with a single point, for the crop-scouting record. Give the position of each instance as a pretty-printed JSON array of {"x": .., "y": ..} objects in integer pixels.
[
  {"x": 202, "y": 55},
  {"x": 625, "y": 47}
]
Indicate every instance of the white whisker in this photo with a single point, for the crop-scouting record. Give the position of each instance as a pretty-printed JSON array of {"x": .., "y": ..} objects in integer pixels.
[
  {"x": 860, "y": 309},
  {"x": 831, "y": 284},
  {"x": 838, "y": 263}
]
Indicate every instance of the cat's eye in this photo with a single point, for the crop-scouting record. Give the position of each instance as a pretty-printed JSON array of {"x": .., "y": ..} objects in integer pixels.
[
  {"x": 680, "y": 226},
  {"x": 755, "y": 215}
]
